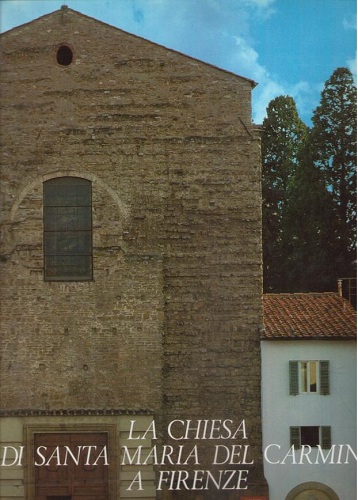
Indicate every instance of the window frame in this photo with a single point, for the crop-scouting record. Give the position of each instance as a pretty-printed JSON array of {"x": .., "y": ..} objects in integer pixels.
[
  {"x": 305, "y": 373},
  {"x": 324, "y": 436},
  {"x": 322, "y": 375},
  {"x": 78, "y": 232}
]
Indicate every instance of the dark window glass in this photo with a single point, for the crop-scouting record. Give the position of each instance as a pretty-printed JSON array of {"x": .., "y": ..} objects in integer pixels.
[
  {"x": 310, "y": 436},
  {"x": 68, "y": 229}
]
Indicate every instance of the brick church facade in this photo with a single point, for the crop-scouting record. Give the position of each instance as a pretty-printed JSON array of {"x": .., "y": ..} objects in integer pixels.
[{"x": 131, "y": 277}]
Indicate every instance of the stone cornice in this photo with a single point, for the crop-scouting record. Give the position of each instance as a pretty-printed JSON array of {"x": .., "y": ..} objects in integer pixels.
[{"x": 77, "y": 412}]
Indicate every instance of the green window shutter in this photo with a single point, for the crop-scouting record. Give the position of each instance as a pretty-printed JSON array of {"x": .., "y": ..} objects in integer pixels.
[
  {"x": 295, "y": 437},
  {"x": 293, "y": 378},
  {"x": 326, "y": 442},
  {"x": 324, "y": 377}
]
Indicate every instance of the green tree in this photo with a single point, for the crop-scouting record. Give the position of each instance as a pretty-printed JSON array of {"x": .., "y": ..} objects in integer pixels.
[
  {"x": 283, "y": 134},
  {"x": 334, "y": 149},
  {"x": 307, "y": 238}
]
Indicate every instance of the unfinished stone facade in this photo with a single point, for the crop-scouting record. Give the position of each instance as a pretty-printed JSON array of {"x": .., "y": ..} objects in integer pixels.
[{"x": 168, "y": 325}]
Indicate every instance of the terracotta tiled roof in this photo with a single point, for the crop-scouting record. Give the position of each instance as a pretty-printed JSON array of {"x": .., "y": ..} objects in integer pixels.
[{"x": 308, "y": 316}]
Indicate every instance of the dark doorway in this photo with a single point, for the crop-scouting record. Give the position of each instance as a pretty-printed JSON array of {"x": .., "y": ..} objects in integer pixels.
[
  {"x": 58, "y": 498},
  {"x": 71, "y": 466}
]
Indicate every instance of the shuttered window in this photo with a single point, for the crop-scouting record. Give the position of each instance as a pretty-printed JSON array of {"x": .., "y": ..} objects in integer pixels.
[
  {"x": 326, "y": 441},
  {"x": 311, "y": 436},
  {"x": 310, "y": 377},
  {"x": 294, "y": 378},
  {"x": 324, "y": 377},
  {"x": 67, "y": 229},
  {"x": 295, "y": 437}
]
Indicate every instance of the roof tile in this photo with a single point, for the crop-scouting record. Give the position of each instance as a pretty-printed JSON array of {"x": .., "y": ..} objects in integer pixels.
[{"x": 308, "y": 316}]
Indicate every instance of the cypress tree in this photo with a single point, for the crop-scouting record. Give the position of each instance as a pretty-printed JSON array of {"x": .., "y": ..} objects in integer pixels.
[{"x": 334, "y": 149}]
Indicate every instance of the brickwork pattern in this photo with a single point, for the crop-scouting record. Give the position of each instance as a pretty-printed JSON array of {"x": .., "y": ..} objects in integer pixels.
[{"x": 172, "y": 319}]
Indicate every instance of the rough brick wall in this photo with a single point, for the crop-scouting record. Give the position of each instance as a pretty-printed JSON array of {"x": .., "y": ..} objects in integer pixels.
[{"x": 171, "y": 320}]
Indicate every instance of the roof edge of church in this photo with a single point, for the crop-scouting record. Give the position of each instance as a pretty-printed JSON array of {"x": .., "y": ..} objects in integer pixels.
[{"x": 76, "y": 12}]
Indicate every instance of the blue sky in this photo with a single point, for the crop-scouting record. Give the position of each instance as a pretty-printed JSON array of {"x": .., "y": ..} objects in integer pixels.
[{"x": 290, "y": 47}]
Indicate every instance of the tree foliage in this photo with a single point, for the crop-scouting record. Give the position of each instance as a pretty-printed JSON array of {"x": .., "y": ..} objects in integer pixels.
[
  {"x": 283, "y": 136},
  {"x": 307, "y": 229},
  {"x": 334, "y": 145},
  {"x": 309, "y": 190}
]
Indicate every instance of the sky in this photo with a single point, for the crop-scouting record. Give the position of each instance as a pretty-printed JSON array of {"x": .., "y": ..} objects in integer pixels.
[{"x": 289, "y": 47}]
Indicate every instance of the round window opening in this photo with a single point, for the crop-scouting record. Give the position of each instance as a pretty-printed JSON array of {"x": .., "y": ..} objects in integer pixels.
[{"x": 64, "y": 55}]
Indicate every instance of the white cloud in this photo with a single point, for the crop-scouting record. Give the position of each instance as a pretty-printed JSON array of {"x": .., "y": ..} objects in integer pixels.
[
  {"x": 303, "y": 93},
  {"x": 246, "y": 58},
  {"x": 262, "y": 95},
  {"x": 350, "y": 24},
  {"x": 261, "y": 3},
  {"x": 352, "y": 66},
  {"x": 246, "y": 62},
  {"x": 263, "y": 8}
]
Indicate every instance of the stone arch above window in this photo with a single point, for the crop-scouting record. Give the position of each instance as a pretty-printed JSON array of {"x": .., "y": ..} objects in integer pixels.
[
  {"x": 23, "y": 225},
  {"x": 312, "y": 491},
  {"x": 123, "y": 209}
]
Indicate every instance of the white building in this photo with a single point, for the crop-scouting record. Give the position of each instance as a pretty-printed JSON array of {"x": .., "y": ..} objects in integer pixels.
[{"x": 309, "y": 396}]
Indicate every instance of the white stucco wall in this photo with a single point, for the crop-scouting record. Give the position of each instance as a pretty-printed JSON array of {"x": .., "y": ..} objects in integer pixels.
[{"x": 280, "y": 411}]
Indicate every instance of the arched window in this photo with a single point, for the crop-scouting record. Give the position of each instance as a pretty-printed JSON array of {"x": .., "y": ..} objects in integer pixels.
[{"x": 67, "y": 229}]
